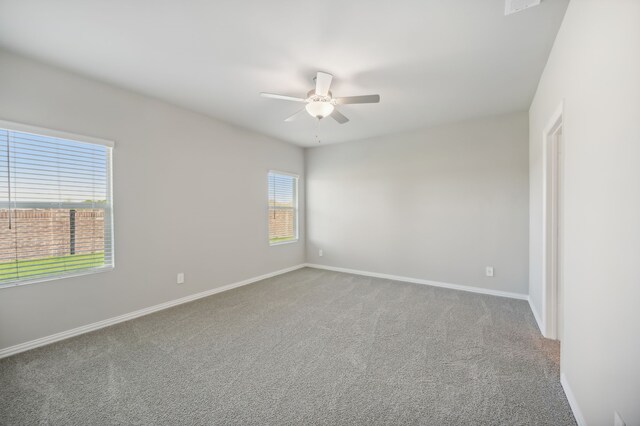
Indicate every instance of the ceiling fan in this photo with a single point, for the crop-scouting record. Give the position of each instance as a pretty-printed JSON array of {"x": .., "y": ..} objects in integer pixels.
[{"x": 321, "y": 103}]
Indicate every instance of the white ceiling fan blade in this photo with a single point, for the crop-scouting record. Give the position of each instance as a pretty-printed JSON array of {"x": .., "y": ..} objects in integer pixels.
[
  {"x": 296, "y": 115},
  {"x": 323, "y": 82},
  {"x": 366, "y": 99},
  {"x": 339, "y": 117},
  {"x": 281, "y": 97}
]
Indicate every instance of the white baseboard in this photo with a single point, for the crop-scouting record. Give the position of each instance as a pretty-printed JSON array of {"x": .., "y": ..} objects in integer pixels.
[
  {"x": 12, "y": 350},
  {"x": 536, "y": 316},
  {"x": 421, "y": 281},
  {"x": 573, "y": 403}
]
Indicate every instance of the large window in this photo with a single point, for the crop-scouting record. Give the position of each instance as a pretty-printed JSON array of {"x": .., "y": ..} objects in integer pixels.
[
  {"x": 283, "y": 208},
  {"x": 55, "y": 205}
]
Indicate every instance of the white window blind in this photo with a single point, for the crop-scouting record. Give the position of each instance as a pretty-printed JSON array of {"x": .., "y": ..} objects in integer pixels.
[
  {"x": 55, "y": 207},
  {"x": 283, "y": 207}
]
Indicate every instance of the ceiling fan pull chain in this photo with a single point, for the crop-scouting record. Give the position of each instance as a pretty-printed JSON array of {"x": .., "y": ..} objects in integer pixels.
[{"x": 318, "y": 130}]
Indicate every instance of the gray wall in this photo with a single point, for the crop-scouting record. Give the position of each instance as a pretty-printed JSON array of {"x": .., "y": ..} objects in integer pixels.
[
  {"x": 438, "y": 204},
  {"x": 595, "y": 68},
  {"x": 167, "y": 161}
]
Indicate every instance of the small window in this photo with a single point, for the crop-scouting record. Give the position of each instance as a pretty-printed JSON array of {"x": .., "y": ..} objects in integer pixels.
[
  {"x": 55, "y": 206},
  {"x": 283, "y": 208}
]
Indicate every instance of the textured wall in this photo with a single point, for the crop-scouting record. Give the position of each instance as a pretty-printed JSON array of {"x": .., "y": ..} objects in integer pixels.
[
  {"x": 438, "y": 204},
  {"x": 165, "y": 160},
  {"x": 594, "y": 69}
]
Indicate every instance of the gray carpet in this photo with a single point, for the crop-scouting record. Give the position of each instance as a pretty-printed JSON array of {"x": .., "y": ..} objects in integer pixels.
[{"x": 308, "y": 347}]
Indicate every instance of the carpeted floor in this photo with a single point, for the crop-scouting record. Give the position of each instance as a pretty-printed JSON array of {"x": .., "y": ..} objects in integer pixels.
[{"x": 308, "y": 347}]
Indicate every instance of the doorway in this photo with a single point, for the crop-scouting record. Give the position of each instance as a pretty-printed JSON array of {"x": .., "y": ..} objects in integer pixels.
[{"x": 553, "y": 288}]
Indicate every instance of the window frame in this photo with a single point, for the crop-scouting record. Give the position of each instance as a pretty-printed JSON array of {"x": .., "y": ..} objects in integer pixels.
[
  {"x": 41, "y": 131},
  {"x": 296, "y": 178}
]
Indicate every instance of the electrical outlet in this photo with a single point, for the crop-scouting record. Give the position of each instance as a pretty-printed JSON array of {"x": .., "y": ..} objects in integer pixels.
[
  {"x": 489, "y": 271},
  {"x": 617, "y": 419},
  {"x": 180, "y": 279},
  {"x": 320, "y": 252}
]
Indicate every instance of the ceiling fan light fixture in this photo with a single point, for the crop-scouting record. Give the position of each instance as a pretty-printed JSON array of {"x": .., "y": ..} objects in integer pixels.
[{"x": 319, "y": 109}]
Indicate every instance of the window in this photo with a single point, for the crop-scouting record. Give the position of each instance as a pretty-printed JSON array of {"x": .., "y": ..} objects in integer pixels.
[
  {"x": 55, "y": 205},
  {"x": 283, "y": 208}
]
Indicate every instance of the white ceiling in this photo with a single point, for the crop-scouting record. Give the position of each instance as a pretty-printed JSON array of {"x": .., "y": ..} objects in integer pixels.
[{"x": 432, "y": 61}]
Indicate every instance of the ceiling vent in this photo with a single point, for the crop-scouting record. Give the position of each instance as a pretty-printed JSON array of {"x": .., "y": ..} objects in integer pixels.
[{"x": 513, "y": 6}]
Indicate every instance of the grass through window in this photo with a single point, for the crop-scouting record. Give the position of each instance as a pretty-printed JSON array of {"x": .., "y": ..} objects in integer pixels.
[{"x": 50, "y": 265}]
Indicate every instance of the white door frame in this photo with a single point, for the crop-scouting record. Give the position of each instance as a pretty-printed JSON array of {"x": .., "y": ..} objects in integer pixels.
[{"x": 550, "y": 223}]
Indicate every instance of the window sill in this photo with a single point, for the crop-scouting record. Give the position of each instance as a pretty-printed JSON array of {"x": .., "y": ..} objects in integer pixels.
[
  {"x": 279, "y": 243},
  {"x": 56, "y": 277}
]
